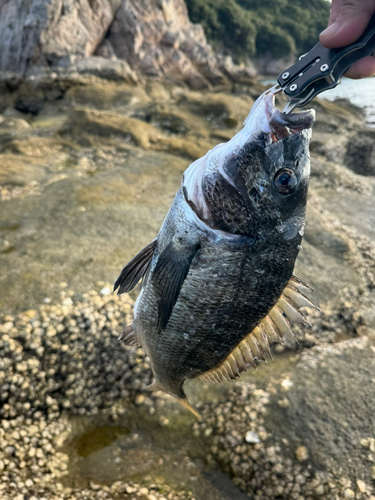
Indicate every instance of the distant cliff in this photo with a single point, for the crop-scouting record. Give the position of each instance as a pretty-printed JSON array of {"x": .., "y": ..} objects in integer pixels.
[{"x": 117, "y": 39}]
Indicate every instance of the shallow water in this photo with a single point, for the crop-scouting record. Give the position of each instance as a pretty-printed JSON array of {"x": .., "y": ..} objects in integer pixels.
[
  {"x": 359, "y": 92},
  {"x": 158, "y": 449},
  {"x": 97, "y": 438},
  {"x": 160, "y": 446}
]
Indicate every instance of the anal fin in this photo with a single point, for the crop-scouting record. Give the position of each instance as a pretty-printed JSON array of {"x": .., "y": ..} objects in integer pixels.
[
  {"x": 128, "y": 336},
  {"x": 185, "y": 403}
]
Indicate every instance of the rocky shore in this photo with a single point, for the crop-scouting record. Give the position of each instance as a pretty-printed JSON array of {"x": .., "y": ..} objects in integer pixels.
[
  {"x": 58, "y": 362},
  {"x": 89, "y": 169},
  {"x": 271, "y": 433},
  {"x": 116, "y": 39}
]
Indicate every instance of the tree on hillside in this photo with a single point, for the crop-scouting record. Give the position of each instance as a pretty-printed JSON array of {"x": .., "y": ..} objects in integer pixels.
[{"x": 248, "y": 28}]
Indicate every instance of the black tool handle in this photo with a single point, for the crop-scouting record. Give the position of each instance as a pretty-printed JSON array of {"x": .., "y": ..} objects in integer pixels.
[{"x": 321, "y": 68}]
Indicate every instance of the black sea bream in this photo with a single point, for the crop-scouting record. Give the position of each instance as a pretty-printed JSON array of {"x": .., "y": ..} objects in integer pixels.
[{"x": 218, "y": 285}]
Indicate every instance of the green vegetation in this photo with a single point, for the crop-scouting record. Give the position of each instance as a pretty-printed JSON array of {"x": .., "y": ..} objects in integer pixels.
[{"x": 248, "y": 28}]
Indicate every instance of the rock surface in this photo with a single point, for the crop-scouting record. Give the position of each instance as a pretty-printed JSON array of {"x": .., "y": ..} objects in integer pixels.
[
  {"x": 157, "y": 39},
  {"x": 322, "y": 403},
  {"x": 107, "y": 69},
  {"x": 41, "y": 33},
  {"x": 110, "y": 38},
  {"x": 269, "y": 65}
]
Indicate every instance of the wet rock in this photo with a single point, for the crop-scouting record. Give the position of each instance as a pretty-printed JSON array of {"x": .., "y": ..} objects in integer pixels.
[
  {"x": 329, "y": 250},
  {"x": 220, "y": 110},
  {"x": 106, "y": 95},
  {"x": 30, "y": 101},
  {"x": 173, "y": 122},
  {"x": 329, "y": 413},
  {"x": 316, "y": 234},
  {"x": 83, "y": 122},
  {"x": 10, "y": 80},
  {"x": 105, "y": 180},
  {"x": 360, "y": 153},
  {"x": 10, "y": 127},
  {"x": 108, "y": 69}
]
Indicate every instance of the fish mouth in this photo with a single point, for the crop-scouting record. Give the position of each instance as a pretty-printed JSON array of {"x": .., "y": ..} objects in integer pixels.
[
  {"x": 283, "y": 125},
  {"x": 276, "y": 124}
]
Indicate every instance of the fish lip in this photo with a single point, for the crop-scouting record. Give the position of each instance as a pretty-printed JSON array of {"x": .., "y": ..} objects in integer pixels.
[
  {"x": 279, "y": 125},
  {"x": 283, "y": 125}
]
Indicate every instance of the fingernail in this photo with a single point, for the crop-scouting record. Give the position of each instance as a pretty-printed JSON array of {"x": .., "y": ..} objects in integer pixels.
[{"x": 331, "y": 30}]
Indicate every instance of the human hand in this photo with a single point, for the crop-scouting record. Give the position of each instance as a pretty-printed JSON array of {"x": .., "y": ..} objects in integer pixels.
[{"x": 347, "y": 21}]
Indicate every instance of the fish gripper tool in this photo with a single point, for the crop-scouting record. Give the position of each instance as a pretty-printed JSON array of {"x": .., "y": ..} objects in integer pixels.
[{"x": 321, "y": 68}]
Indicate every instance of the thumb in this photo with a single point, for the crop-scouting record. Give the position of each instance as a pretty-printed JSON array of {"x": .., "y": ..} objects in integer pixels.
[{"x": 350, "y": 19}]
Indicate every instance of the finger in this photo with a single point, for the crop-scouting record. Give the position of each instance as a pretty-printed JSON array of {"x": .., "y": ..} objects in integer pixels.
[
  {"x": 344, "y": 30},
  {"x": 336, "y": 8},
  {"x": 362, "y": 69}
]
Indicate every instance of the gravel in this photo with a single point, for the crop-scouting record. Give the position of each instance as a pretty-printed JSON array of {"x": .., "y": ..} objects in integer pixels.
[
  {"x": 64, "y": 360},
  {"x": 265, "y": 470}
]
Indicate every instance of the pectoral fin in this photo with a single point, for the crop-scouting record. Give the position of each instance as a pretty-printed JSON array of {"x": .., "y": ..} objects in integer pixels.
[
  {"x": 169, "y": 275},
  {"x": 135, "y": 269}
]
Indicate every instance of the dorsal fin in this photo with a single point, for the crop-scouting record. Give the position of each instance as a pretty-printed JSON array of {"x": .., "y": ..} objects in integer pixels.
[
  {"x": 135, "y": 269},
  {"x": 272, "y": 329}
]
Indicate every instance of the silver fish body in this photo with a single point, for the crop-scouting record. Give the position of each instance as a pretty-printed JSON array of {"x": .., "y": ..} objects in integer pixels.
[{"x": 225, "y": 252}]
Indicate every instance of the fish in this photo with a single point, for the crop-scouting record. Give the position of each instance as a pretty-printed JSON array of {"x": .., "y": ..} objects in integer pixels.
[{"x": 218, "y": 287}]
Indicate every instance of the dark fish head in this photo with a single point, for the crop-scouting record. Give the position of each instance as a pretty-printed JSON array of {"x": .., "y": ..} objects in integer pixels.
[
  {"x": 259, "y": 178},
  {"x": 275, "y": 166}
]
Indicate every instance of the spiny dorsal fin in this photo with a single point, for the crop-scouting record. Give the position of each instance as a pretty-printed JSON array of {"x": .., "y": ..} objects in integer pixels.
[
  {"x": 272, "y": 329},
  {"x": 128, "y": 336}
]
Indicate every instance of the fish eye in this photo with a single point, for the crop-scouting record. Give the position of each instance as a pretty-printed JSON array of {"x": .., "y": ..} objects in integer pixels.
[{"x": 285, "y": 181}]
